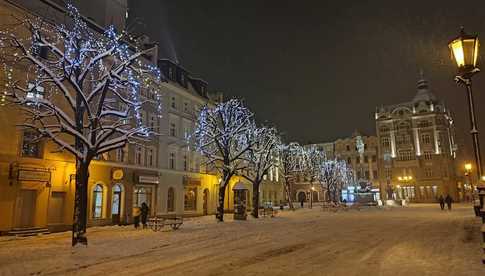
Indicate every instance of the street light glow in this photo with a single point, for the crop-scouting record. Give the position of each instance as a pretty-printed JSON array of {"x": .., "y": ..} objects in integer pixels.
[{"x": 464, "y": 49}]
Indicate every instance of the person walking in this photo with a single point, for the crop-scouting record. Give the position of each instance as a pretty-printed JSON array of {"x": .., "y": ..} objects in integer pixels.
[
  {"x": 301, "y": 202},
  {"x": 144, "y": 214},
  {"x": 448, "y": 201},
  {"x": 136, "y": 216},
  {"x": 441, "y": 200}
]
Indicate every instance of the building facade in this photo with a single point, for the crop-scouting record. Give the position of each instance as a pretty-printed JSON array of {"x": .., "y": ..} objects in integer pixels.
[
  {"x": 416, "y": 146},
  {"x": 360, "y": 152}
]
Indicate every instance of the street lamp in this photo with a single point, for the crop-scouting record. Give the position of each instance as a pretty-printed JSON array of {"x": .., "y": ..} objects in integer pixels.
[{"x": 464, "y": 49}]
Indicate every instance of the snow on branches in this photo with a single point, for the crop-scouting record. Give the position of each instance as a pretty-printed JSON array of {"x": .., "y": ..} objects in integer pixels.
[
  {"x": 78, "y": 88},
  {"x": 260, "y": 158},
  {"x": 291, "y": 159},
  {"x": 75, "y": 83},
  {"x": 335, "y": 174},
  {"x": 223, "y": 136}
]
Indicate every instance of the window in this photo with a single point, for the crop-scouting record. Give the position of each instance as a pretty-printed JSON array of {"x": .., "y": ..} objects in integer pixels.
[
  {"x": 142, "y": 194},
  {"x": 349, "y": 161},
  {"x": 173, "y": 129},
  {"x": 186, "y": 107},
  {"x": 185, "y": 162},
  {"x": 34, "y": 92},
  {"x": 30, "y": 145},
  {"x": 153, "y": 122},
  {"x": 97, "y": 201},
  {"x": 150, "y": 157},
  {"x": 357, "y": 159},
  {"x": 405, "y": 155},
  {"x": 190, "y": 199},
  {"x": 366, "y": 174},
  {"x": 121, "y": 154},
  {"x": 171, "y": 200},
  {"x": 116, "y": 200},
  {"x": 385, "y": 142},
  {"x": 428, "y": 155},
  {"x": 173, "y": 103},
  {"x": 374, "y": 158},
  {"x": 426, "y": 139},
  {"x": 366, "y": 159},
  {"x": 139, "y": 159},
  {"x": 374, "y": 174},
  {"x": 170, "y": 73},
  {"x": 171, "y": 161},
  {"x": 388, "y": 173},
  {"x": 428, "y": 172},
  {"x": 348, "y": 148}
]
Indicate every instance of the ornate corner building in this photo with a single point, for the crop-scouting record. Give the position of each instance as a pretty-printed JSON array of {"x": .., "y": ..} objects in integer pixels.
[{"x": 416, "y": 146}]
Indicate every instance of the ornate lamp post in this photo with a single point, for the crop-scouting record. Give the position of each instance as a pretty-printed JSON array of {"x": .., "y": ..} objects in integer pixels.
[{"x": 464, "y": 49}]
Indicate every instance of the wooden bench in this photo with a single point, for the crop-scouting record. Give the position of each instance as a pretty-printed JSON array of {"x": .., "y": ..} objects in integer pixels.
[
  {"x": 156, "y": 223},
  {"x": 268, "y": 211}
]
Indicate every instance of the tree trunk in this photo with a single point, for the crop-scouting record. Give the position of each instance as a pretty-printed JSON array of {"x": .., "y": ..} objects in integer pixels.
[
  {"x": 288, "y": 194},
  {"x": 80, "y": 204},
  {"x": 220, "y": 205},
  {"x": 256, "y": 199}
]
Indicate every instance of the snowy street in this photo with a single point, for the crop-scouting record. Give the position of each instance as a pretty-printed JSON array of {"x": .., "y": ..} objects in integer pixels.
[{"x": 418, "y": 240}]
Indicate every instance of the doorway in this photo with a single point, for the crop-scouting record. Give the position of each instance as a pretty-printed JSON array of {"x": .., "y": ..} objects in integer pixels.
[
  {"x": 206, "y": 202},
  {"x": 56, "y": 208},
  {"x": 116, "y": 204},
  {"x": 27, "y": 208}
]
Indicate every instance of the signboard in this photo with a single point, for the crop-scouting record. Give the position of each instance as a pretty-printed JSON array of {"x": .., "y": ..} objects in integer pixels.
[
  {"x": 34, "y": 175},
  {"x": 149, "y": 179},
  {"x": 190, "y": 181},
  {"x": 117, "y": 174}
]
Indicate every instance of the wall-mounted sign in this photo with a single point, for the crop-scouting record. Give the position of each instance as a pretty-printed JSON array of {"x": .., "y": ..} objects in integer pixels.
[
  {"x": 34, "y": 175},
  {"x": 117, "y": 174},
  {"x": 190, "y": 181},
  {"x": 149, "y": 179}
]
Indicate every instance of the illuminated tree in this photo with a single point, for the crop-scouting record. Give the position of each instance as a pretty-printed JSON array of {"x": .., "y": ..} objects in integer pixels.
[
  {"x": 290, "y": 163},
  {"x": 260, "y": 159},
  {"x": 335, "y": 174},
  {"x": 79, "y": 89},
  {"x": 223, "y": 136}
]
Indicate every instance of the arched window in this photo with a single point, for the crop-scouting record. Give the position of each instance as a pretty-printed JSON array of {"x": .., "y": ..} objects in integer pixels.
[
  {"x": 171, "y": 200},
  {"x": 98, "y": 201},
  {"x": 116, "y": 204}
]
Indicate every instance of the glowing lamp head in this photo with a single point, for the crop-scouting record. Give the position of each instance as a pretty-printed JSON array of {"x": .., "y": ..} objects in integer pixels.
[
  {"x": 483, "y": 177},
  {"x": 399, "y": 178},
  {"x": 464, "y": 50},
  {"x": 410, "y": 178},
  {"x": 468, "y": 167}
]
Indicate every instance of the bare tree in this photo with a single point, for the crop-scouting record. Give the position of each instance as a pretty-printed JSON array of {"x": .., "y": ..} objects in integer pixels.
[
  {"x": 79, "y": 89},
  {"x": 312, "y": 162},
  {"x": 260, "y": 158},
  {"x": 290, "y": 163},
  {"x": 223, "y": 138}
]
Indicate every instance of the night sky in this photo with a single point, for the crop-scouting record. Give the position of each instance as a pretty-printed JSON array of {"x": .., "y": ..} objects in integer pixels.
[{"x": 318, "y": 70}]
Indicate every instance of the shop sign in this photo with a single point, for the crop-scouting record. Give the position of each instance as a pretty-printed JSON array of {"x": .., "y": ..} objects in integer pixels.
[
  {"x": 34, "y": 175},
  {"x": 190, "y": 181},
  {"x": 117, "y": 174},
  {"x": 148, "y": 179}
]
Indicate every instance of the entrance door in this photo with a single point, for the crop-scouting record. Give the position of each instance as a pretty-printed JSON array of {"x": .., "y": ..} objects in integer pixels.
[
  {"x": 27, "y": 208},
  {"x": 206, "y": 201},
  {"x": 56, "y": 208},
  {"x": 116, "y": 204},
  {"x": 301, "y": 196}
]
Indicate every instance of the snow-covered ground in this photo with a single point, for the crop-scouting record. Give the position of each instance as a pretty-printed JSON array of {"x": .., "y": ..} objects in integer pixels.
[{"x": 417, "y": 240}]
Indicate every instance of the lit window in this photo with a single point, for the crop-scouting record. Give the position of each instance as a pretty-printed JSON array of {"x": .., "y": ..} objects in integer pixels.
[
  {"x": 116, "y": 200},
  {"x": 30, "y": 145},
  {"x": 428, "y": 172},
  {"x": 190, "y": 199},
  {"x": 385, "y": 142},
  {"x": 98, "y": 201}
]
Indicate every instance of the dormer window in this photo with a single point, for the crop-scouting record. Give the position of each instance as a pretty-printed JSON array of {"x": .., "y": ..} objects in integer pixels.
[{"x": 170, "y": 73}]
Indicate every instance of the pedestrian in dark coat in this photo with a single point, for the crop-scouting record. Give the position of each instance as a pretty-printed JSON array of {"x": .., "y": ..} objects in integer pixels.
[
  {"x": 301, "y": 202},
  {"x": 448, "y": 201},
  {"x": 441, "y": 200},
  {"x": 144, "y": 214}
]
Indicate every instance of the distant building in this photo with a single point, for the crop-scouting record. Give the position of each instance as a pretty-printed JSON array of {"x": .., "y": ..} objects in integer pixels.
[
  {"x": 416, "y": 146},
  {"x": 360, "y": 152}
]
